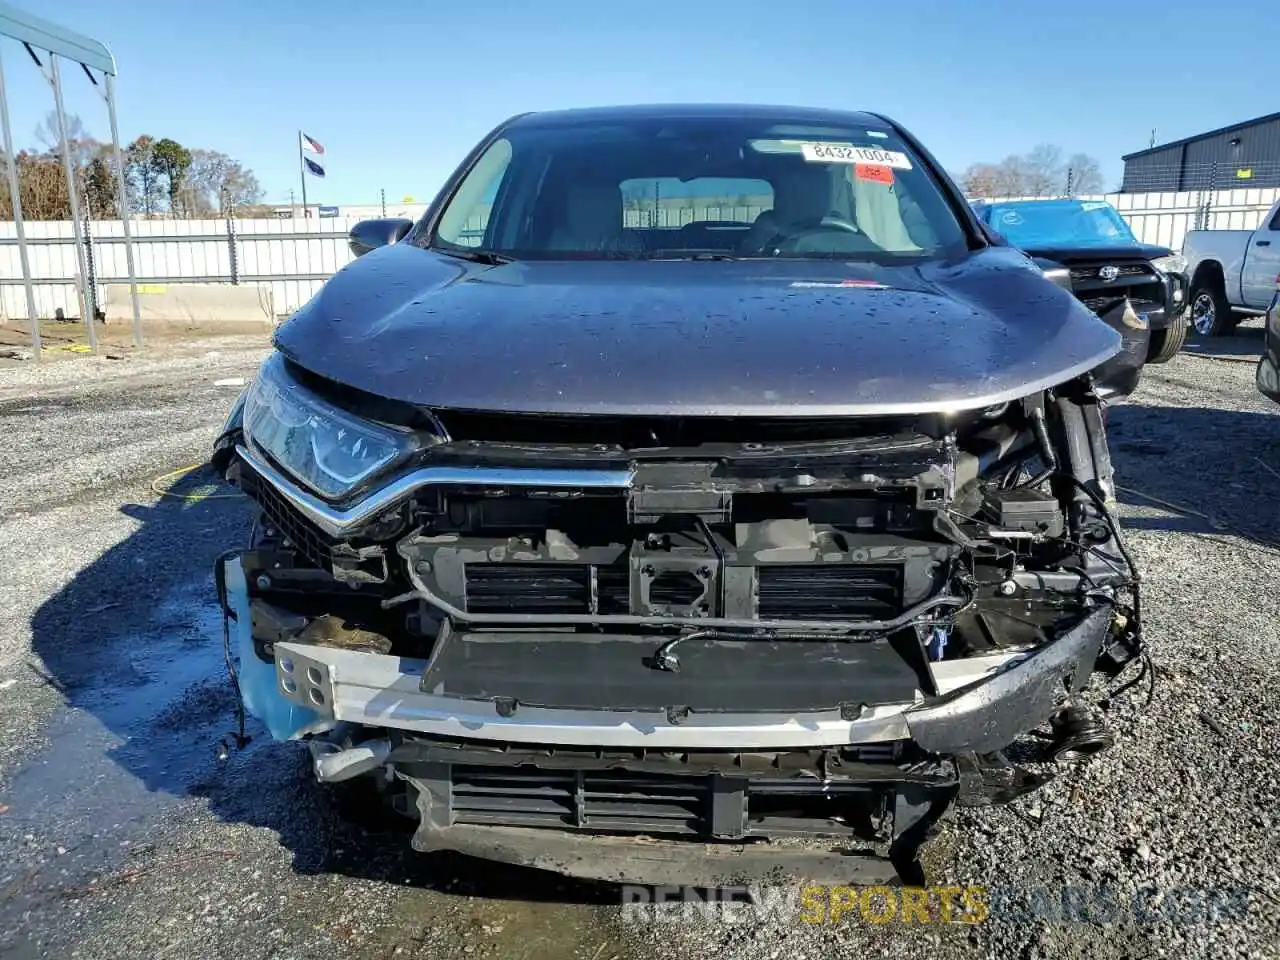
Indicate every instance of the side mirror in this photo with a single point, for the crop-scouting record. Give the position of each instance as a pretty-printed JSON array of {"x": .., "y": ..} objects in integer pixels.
[{"x": 370, "y": 234}]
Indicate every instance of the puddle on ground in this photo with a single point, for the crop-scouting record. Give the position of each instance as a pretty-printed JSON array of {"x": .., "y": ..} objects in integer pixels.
[
  {"x": 134, "y": 747},
  {"x": 424, "y": 921}
]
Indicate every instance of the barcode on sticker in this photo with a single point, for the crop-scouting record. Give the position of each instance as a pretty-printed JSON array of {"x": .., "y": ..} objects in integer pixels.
[{"x": 851, "y": 153}]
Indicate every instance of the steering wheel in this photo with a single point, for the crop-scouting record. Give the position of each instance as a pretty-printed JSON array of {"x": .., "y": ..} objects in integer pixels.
[
  {"x": 799, "y": 231},
  {"x": 829, "y": 222}
]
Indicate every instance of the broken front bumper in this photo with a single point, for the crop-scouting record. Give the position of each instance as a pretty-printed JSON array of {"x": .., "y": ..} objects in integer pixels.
[
  {"x": 985, "y": 702},
  {"x": 662, "y": 796},
  {"x": 1010, "y": 695}
]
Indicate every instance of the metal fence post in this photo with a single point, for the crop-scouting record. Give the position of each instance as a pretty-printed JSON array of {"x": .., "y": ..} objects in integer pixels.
[
  {"x": 90, "y": 273},
  {"x": 232, "y": 249},
  {"x": 1213, "y": 185}
]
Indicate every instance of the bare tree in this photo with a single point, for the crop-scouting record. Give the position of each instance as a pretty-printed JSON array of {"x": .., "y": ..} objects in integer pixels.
[
  {"x": 1086, "y": 174},
  {"x": 215, "y": 182},
  {"x": 83, "y": 146},
  {"x": 240, "y": 187},
  {"x": 980, "y": 180},
  {"x": 1041, "y": 173},
  {"x": 205, "y": 179},
  {"x": 1044, "y": 171},
  {"x": 1011, "y": 177}
]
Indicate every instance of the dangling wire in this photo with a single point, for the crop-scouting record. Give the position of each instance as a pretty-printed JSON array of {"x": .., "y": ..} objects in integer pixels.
[
  {"x": 1148, "y": 670},
  {"x": 220, "y": 582},
  {"x": 195, "y": 496}
]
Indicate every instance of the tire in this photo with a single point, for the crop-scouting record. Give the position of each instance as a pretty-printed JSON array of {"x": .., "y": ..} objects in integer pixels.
[
  {"x": 1166, "y": 343},
  {"x": 1210, "y": 313}
]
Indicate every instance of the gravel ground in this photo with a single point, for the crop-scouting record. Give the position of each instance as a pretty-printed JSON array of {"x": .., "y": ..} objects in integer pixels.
[{"x": 122, "y": 833}]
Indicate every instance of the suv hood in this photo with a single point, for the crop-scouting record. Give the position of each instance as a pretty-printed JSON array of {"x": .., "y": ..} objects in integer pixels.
[
  {"x": 709, "y": 338},
  {"x": 1068, "y": 253}
]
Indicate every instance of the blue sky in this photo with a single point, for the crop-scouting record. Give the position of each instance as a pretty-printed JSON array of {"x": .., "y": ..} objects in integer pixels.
[{"x": 399, "y": 90}]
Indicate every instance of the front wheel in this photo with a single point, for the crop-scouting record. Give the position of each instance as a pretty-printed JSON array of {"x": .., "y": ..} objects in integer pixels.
[
  {"x": 1166, "y": 343},
  {"x": 1210, "y": 312}
]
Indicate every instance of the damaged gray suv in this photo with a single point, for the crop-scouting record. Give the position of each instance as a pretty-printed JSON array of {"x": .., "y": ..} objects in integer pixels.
[{"x": 694, "y": 492}]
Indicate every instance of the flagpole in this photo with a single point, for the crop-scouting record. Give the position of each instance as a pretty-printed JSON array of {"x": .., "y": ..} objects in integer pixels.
[{"x": 302, "y": 172}]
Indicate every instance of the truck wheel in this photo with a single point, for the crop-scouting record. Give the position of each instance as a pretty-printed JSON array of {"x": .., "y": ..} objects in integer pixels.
[
  {"x": 1210, "y": 312},
  {"x": 1166, "y": 343}
]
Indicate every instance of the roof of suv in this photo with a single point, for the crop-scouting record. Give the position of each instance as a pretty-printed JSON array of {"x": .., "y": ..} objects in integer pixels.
[{"x": 664, "y": 111}]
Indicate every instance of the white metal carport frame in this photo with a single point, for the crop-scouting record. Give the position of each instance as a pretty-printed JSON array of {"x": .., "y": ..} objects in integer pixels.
[{"x": 36, "y": 34}]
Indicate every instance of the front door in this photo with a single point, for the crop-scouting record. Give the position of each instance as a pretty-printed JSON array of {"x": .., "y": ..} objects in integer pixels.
[{"x": 1262, "y": 266}]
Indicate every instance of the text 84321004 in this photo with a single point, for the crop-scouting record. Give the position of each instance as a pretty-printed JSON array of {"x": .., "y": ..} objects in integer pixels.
[{"x": 851, "y": 153}]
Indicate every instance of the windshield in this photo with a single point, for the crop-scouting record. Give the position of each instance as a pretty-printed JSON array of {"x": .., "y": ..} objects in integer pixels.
[
  {"x": 681, "y": 187},
  {"x": 1072, "y": 221}
]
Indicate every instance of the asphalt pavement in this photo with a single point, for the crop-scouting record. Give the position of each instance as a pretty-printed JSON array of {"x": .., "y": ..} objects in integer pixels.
[{"x": 124, "y": 833}]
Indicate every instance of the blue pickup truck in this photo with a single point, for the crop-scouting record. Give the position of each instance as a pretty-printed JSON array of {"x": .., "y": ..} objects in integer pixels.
[{"x": 1108, "y": 264}]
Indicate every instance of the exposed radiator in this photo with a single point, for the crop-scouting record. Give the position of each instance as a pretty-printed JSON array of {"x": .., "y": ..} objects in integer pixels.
[
  {"x": 836, "y": 591},
  {"x": 528, "y": 588},
  {"x": 594, "y": 801}
]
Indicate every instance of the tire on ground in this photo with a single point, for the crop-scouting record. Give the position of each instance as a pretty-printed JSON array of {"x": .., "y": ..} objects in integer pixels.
[
  {"x": 1210, "y": 310},
  {"x": 1166, "y": 343}
]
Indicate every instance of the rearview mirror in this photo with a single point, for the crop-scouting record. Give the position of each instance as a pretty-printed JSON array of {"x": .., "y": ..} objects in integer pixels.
[{"x": 370, "y": 234}]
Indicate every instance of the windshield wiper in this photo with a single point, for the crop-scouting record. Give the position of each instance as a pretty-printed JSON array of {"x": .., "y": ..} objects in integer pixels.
[
  {"x": 701, "y": 255},
  {"x": 490, "y": 257}
]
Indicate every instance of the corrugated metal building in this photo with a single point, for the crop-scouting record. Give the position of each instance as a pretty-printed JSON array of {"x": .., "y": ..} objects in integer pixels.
[{"x": 1242, "y": 155}]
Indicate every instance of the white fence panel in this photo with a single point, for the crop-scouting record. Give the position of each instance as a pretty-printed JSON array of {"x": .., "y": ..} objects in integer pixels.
[{"x": 295, "y": 256}]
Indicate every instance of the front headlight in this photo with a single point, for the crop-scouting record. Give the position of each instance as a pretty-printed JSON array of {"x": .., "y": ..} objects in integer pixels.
[
  {"x": 329, "y": 450},
  {"x": 1174, "y": 263}
]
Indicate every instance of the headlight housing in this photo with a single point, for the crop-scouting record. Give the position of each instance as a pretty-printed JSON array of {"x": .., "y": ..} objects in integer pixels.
[
  {"x": 329, "y": 450},
  {"x": 1174, "y": 263}
]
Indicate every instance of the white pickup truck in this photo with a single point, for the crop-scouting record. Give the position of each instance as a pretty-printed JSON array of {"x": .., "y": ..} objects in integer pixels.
[{"x": 1233, "y": 273}]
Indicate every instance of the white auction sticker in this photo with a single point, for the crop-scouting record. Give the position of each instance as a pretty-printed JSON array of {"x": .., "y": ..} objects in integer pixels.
[{"x": 851, "y": 153}]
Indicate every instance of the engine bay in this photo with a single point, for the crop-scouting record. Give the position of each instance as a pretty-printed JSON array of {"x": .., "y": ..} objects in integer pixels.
[{"x": 859, "y": 568}]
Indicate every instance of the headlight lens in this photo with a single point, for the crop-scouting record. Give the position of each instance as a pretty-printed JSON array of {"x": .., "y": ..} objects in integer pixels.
[
  {"x": 1174, "y": 263},
  {"x": 329, "y": 450}
]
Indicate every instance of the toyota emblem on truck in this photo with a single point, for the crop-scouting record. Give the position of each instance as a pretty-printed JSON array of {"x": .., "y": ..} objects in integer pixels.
[{"x": 1109, "y": 272}]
